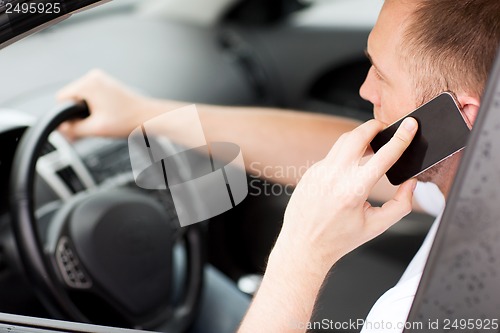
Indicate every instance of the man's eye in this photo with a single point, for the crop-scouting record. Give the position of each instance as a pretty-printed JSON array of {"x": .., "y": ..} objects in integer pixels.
[{"x": 377, "y": 74}]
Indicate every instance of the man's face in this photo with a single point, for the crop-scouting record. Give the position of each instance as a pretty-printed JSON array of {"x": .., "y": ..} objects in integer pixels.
[{"x": 388, "y": 85}]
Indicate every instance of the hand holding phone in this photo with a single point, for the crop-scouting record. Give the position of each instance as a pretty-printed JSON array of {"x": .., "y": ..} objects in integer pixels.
[{"x": 442, "y": 131}]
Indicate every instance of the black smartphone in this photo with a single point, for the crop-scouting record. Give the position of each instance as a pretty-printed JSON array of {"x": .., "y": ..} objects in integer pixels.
[{"x": 443, "y": 130}]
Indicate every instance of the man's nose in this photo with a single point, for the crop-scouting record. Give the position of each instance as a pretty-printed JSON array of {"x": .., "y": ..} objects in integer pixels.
[{"x": 368, "y": 90}]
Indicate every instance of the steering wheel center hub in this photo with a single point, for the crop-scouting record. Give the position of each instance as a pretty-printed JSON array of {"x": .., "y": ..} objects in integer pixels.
[{"x": 124, "y": 241}]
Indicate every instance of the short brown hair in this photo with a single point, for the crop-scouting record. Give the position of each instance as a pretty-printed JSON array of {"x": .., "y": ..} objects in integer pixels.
[{"x": 451, "y": 45}]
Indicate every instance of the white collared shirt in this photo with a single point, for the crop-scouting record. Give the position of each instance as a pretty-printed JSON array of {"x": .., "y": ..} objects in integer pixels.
[{"x": 390, "y": 312}]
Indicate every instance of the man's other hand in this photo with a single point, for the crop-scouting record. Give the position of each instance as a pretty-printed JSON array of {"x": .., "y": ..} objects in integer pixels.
[
  {"x": 328, "y": 214},
  {"x": 115, "y": 110}
]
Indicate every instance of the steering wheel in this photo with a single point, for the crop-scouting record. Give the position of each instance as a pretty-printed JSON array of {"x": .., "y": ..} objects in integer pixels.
[{"x": 107, "y": 255}]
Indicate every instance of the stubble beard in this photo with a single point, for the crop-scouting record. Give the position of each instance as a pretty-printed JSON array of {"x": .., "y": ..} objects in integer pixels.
[{"x": 443, "y": 173}]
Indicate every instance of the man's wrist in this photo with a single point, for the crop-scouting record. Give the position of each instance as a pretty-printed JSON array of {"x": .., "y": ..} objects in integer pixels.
[
  {"x": 299, "y": 259},
  {"x": 146, "y": 108},
  {"x": 150, "y": 108}
]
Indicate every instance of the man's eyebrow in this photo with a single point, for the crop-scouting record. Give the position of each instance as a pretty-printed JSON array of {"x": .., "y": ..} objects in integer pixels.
[{"x": 373, "y": 64}]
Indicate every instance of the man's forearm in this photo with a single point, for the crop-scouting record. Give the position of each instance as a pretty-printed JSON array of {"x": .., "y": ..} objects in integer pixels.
[{"x": 277, "y": 144}]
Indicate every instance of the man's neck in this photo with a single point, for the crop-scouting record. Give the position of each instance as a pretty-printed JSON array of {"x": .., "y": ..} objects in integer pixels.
[
  {"x": 445, "y": 179},
  {"x": 445, "y": 188}
]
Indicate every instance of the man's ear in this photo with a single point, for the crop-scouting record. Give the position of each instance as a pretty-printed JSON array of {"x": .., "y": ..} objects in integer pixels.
[{"x": 470, "y": 107}]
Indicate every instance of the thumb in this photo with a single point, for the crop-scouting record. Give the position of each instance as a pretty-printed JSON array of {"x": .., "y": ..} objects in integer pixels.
[
  {"x": 379, "y": 219},
  {"x": 78, "y": 128}
]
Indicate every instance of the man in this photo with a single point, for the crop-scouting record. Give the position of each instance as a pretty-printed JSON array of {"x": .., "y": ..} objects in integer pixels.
[{"x": 418, "y": 48}]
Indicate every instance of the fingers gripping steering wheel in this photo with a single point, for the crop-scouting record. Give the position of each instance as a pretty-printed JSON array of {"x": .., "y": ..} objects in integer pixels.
[{"x": 108, "y": 254}]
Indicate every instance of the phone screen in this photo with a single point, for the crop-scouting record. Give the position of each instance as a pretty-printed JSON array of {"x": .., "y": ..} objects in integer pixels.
[{"x": 442, "y": 131}]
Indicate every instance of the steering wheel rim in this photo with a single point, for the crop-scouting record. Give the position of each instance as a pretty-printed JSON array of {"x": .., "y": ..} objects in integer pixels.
[{"x": 37, "y": 265}]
